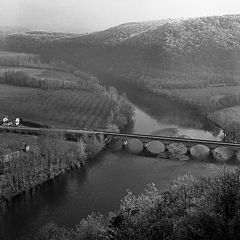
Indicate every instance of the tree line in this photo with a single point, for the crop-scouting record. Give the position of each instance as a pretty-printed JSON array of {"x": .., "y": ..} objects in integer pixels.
[
  {"x": 191, "y": 208},
  {"x": 51, "y": 156}
]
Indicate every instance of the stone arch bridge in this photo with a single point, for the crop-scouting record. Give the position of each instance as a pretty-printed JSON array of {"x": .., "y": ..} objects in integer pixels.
[{"x": 154, "y": 144}]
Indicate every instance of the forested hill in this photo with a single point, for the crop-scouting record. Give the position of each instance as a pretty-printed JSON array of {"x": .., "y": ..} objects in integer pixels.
[
  {"x": 6, "y": 31},
  {"x": 156, "y": 49}
]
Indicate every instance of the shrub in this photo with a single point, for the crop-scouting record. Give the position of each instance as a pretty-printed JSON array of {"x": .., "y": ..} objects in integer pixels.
[
  {"x": 94, "y": 227},
  {"x": 53, "y": 232},
  {"x": 192, "y": 208}
]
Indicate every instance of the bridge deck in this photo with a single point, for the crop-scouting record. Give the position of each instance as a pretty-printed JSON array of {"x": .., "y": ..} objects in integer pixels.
[{"x": 28, "y": 130}]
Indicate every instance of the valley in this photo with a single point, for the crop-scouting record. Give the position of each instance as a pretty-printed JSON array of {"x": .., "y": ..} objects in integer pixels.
[
  {"x": 192, "y": 61},
  {"x": 173, "y": 77}
]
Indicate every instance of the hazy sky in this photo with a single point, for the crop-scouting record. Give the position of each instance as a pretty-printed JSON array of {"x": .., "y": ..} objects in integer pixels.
[{"x": 91, "y": 15}]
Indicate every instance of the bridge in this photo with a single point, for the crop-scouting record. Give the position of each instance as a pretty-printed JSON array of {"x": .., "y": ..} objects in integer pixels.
[{"x": 147, "y": 142}]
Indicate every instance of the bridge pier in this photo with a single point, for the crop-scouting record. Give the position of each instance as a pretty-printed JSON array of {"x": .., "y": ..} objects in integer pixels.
[
  {"x": 124, "y": 143},
  {"x": 147, "y": 140},
  {"x": 211, "y": 151},
  {"x": 166, "y": 145},
  {"x": 107, "y": 139},
  {"x": 145, "y": 145},
  {"x": 188, "y": 150}
]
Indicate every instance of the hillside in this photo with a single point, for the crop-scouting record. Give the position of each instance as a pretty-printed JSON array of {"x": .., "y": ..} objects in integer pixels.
[
  {"x": 6, "y": 31},
  {"x": 119, "y": 34},
  {"x": 160, "y": 50},
  {"x": 61, "y": 95},
  {"x": 157, "y": 56}
]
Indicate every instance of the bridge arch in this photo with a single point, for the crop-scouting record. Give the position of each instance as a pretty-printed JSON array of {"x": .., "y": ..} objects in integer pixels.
[
  {"x": 107, "y": 139},
  {"x": 199, "y": 151},
  {"x": 214, "y": 146},
  {"x": 223, "y": 153},
  {"x": 177, "y": 148},
  {"x": 238, "y": 156},
  {"x": 100, "y": 137},
  {"x": 134, "y": 145},
  {"x": 155, "y": 147}
]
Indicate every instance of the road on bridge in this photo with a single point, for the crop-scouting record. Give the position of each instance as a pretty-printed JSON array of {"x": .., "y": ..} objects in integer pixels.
[{"x": 38, "y": 131}]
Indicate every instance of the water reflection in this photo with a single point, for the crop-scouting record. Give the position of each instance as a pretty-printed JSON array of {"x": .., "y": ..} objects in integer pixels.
[
  {"x": 146, "y": 124},
  {"x": 154, "y": 113},
  {"x": 101, "y": 185}
]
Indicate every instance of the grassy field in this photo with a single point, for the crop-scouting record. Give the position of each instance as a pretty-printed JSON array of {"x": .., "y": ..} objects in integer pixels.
[
  {"x": 227, "y": 115},
  {"x": 6, "y": 54},
  {"x": 207, "y": 94},
  {"x": 57, "y": 108},
  {"x": 45, "y": 73},
  {"x": 222, "y": 103},
  {"x": 30, "y": 71},
  {"x": 70, "y": 108},
  {"x": 17, "y": 139}
]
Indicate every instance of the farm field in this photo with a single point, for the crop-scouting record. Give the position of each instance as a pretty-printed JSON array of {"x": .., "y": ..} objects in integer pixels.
[
  {"x": 58, "y": 75},
  {"x": 45, "y": 73},
  {"x": 17, "y": 139},
  {"x": 206, "y": 94},
  {"x": 227, "y": 115},
  {"x": 30, "y": 71},
  {"x": 32, "y": 65},
  {"x": 56, "y": 108},
  {"x": 6, "y": 54}
]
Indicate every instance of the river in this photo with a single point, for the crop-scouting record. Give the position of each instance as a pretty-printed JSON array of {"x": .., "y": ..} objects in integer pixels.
[{"x": 103, "y": 182}]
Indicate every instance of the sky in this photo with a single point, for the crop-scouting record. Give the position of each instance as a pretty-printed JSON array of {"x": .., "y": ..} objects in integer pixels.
[{"x": 82, "y": 16}]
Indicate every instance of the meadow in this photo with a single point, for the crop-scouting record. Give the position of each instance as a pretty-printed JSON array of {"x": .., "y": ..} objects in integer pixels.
[
  {"x": 206, "y": 100},
  {"x": 49, "y": 79},
  {"x": 47, "y": 158},
  {"x": 40, "y": 72},
  {"x": 206, "y": 94},
  {"x": 16, "y": 142},
  {"x": 221, "y": 105},
  {"x": 228, "y": 118},
  {"x": 16, "y": 139},
  {"x": 231, "y": 113}
]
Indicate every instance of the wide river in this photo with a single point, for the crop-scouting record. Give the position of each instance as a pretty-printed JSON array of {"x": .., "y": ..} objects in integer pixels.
[{"x": 103, "y": 182}]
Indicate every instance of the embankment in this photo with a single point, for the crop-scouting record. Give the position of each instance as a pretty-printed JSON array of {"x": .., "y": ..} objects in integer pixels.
[{"x": 49, "y": 157}]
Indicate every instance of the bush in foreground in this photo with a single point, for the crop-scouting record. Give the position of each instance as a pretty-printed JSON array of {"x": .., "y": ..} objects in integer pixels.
[{"x": 192, "y": 208}]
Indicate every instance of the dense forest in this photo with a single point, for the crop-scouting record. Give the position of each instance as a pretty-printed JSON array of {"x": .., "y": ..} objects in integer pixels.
[{"x": 193, "y": 52}]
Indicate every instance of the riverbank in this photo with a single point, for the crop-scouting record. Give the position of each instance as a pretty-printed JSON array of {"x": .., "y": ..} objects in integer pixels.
[
  {"x": 227, "y": 115},
  {"x": 56, "y": 87},
  {"x": 50, "y": 154},
  {"x": 49, "y": 157},
  {"x": 166, "y": 110},
  {"x": 206, "y": 103},
  {"x": 191, "y": 208},
  {"x": 229, "y": 120},
  {"x": 218, "y": 104},
  {"x": 96, "y": 108},
  {"x": 101, "y": 185}
]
